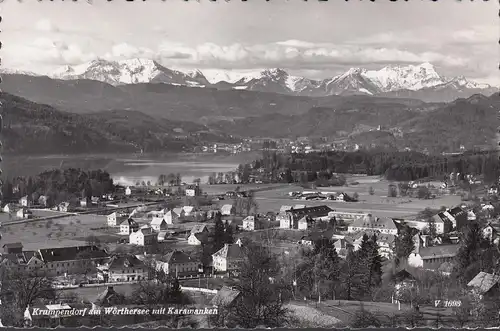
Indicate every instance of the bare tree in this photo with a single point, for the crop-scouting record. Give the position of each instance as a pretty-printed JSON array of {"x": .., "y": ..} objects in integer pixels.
[{"x": 21, "y": 289}]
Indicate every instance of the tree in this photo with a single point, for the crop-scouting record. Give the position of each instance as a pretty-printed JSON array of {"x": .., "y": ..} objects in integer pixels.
[
  {"x": 371, "y": 191},
  {"x": 404, "y": 245},
  {"x": 162, "y": 179},
  {"x": 228, "y": 234},
  {"x": 355, "y": 196},
  {"x": 178, "y": 179},
  {"x": 431, "y": 227},
  {"x": 352, "y": 276},
  {"x": 218, "y": 233},
  {"x": 262, "y": 299},
  {"x": 423, "y": 192},
  {"x": 364, "y": 319},
  {"x": 21, "y": 289}
]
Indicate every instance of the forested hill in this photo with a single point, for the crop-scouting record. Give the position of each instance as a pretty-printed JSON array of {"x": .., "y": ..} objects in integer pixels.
[{"x": 32, "y": 128}]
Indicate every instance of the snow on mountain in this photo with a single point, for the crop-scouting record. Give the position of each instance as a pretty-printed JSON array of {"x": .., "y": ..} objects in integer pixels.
[
  {"x": 412, "y": 80},
  {"x": 131, "y": 71},
  {"x": 410, "y": 77},
  {"x": 351, "y": 82},
  {"x": 215, "y": 76}
]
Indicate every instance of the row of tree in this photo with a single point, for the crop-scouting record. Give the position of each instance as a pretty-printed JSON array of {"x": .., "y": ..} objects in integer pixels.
[
  {"x": 398, "y": 166},
  {"x": 59, "y": 185}
]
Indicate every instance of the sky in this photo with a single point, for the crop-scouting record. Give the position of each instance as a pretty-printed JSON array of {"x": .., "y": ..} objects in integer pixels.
[{"x": 308, "y": 38}]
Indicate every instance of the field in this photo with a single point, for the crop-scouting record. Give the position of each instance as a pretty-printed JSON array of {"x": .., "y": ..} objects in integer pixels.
[
  {"x": 344, "y": 310},
  {"x": 378, "y": 203},
  {"x": 61, "y": 232}
]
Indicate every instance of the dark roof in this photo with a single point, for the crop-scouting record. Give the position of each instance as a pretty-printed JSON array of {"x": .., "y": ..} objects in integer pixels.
[
  {"x": 202, "y": 236},
  {"x": 107, "y": 297},
  {"x": 483, "y": 282},
  {"x": 199, "y": 228},
  {"x": 177, "y": 257},
  {"x": 13, "y": 245},
  {"x": 314, "y": 211},
  {"x": 225, "y": 296},
  {"x": 314, "y": 236},
  {"x": 457, "y": 212},
  {"x": 19, "y": 258},
  {"x": 71, "y": 253},
  {"x": 124, "y": 261},
  {"x": 230, "y": 251},
  {"x": 439, "y": 251},
  {"x": 402, "y": 275}
]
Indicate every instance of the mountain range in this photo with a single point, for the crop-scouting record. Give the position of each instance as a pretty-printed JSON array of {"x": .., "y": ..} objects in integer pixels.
[
  {"x": 470, "y": 122},
  {"x": 412, "y": 81},
  {"x": 32, "y": 129}
]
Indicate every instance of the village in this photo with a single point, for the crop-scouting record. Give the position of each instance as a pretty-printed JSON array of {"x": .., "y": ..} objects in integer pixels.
[{"x": 106, "y": 242}]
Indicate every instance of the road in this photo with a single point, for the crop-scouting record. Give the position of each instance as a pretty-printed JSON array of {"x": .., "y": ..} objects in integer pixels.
[{"x": 62, "y": 215}]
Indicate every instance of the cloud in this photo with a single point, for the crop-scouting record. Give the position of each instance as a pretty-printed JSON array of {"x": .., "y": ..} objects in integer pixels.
[
  {"x": 45, "y": 25},
  {"x": 472, "y": 60}
]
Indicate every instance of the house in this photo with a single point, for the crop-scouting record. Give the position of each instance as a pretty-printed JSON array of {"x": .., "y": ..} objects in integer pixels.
[
  {"x": 458, "y": 217},
  {"x": 304, "y": 223},
  {"x": 441, "y": 223},
  {"x": 385, "y": 241},
  {"x": 249, "y": 223},
  {"x": 313, "y": 237},
  {"x": 128, "y": 226},
  {"x": 485, "y": 285},
  {"x": 180, "y": 211},
  {"x": 7, "y": 208},
  {"x": 226, "y": 297},
  {"x": 114, "y": 219},
  {"x": 94, "y": 200},
  {"x": 346, "y": 216},
  {"x": 285, "y": 208},
  {"x": 227, "y": 210},
  {"x": 371, "y": 223},
  {"x": 492, "y": 232},
  {"x": 27, "y": 261},
  {"x": 71, "y": 260},
  {"x": 64, "y": 207},
  {"x": 171, "y": 217},
  {"x": 179, "y": 263},
  {"x": 343, "y": 246},
  {"x": 193, "y": 191},
  {"x": 228, "y": 258},
  {"x": 188, "y": 210},
  {"x": 196, "y": 239},
  {"x": 290, "y": 219},
  {"x": 128, "y": 191},
  {"x": 433, "y": 257},
  {"x": 122, "y": 268},
  {"x": 13, "y": 248},
  {"x": 158, "y": 224},
  {"x": 84, "y": 202},
  {"x": 162, "y": 235},
  {"x": 108, "y": 298},
  {"x": 43, "y": 200},
  {"x": 403, "y": 279},
  {"x": 143, "y": 237},
  {"x": 493, "y": 190},
  {"x": 24, "y": 213},
  {"x": 199, "y": 228},
  {"x": 25, "y": 201}
]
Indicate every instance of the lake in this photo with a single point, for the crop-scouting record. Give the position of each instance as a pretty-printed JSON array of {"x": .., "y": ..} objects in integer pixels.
[{"x": 128, "y": 169}]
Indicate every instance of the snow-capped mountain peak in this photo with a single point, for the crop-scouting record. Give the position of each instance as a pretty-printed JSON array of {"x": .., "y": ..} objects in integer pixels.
[
  {"x": 396, "y": 79},
  {"x": 411, "y": 77}
]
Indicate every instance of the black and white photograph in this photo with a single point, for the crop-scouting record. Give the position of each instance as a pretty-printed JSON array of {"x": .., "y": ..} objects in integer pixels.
[{"x": 249, "y": 164}]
